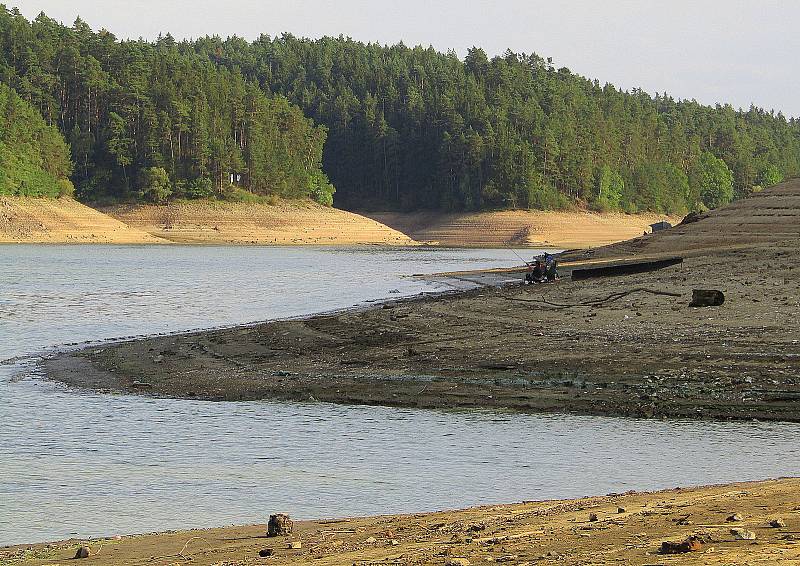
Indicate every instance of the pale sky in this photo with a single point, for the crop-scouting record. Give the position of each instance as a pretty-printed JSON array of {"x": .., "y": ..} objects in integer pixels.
[{"x": 731, "y": 51}]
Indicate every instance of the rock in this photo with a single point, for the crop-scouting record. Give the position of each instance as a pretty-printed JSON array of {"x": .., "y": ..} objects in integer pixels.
[
  {"x": 279, "y": 525},
  {"x": 457, "y": 562},
  {"x": 777, "y": 523},
  {"x": 295, "y": 545},
  {"x": 265, "y": 552},
  {"x": 394, "y": 542},
  {"x": 691, "y": 544},
  {"x": 707, "y": 298},
  {"x": 83, "y": 552},
  {"x": 620, "y": 509},
  {"x": 691, "y": 217},
  {"x": 371, "y": 540},
  {"x": 735, "y": 518},
  {"x": 743, "y": 534},
  {"x": 593, "y": 517}
]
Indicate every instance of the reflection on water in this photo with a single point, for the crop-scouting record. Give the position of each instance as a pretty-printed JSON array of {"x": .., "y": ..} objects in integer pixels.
[{"x": 79, "y": 464}]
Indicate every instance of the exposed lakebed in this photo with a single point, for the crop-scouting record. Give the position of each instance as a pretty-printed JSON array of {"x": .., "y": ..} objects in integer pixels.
[{"x": 76, "y": 463}]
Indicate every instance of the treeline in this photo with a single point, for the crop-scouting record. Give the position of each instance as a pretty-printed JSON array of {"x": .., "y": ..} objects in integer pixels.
[
  {"x": 155, "y": 120},
  {"x": 34, "y": 159},
  {"x": 413, "y": 127},
  {"x": 407, "y": 128}
]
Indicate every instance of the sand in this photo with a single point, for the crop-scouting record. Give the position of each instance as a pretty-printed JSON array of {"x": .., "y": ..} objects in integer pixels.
[
  {"x": 27, "y": 220},
  {"x": 629, "y": 530},
  {"x": 287, "y": 223},
  {"x": 62, "y": 221},
  {"x": 562, "y": 230}
]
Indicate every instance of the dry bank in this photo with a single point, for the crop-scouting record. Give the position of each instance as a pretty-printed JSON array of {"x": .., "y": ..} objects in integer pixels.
[
  {"x": 614, "y": 529},
  {"x": 302, "y": 222},
  {"x": 610, "y": 346}
]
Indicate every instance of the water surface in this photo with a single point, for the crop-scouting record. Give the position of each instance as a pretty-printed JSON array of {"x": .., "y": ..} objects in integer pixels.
[{"x": 76, "y": 463}]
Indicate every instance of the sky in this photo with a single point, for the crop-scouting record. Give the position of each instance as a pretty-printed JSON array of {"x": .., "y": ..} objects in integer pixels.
[{"x": 715, "y": 51}]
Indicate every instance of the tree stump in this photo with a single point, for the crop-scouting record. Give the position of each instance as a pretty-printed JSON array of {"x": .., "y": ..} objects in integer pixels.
[
  {"x": 279, "y": 525},
  {"x": 707, "y": 298}
]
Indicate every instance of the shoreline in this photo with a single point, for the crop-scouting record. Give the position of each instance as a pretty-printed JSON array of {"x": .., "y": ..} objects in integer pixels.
[
  {"x": 550, "y": 348},
  {"x": 303, "y": 223},
  {"x": 611, "y": 529},
  {"x": 615, "y": 346}
]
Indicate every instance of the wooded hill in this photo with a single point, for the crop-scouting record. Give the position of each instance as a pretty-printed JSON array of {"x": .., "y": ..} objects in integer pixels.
[
  {"x": 156, "y": 120},
  {"x": 408, "y": 128}
]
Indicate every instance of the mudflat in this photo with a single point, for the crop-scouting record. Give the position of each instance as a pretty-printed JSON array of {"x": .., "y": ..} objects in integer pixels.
[
  {"x": 609, "y": 346},
  {"x": 732, "y": 524}
]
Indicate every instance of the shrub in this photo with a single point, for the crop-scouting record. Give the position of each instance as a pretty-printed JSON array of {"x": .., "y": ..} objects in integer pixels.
[
  {"x": 200, "y": 188},
  {"x": 66, "y": 188},
  {"x": 321, "y": 189},
  {"x": 154, "y": 184}
]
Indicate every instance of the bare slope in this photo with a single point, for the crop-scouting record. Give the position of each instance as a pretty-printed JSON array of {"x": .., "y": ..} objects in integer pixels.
[
  {"x": 289, "y": 223},
  {"x": 769, "y": 219},
  {"x": 41, "y": 220},
  {"x": 519, "y": 227}
]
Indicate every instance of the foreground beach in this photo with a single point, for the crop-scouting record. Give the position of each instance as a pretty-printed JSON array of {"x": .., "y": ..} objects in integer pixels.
[{"x": 629, "y": 529}]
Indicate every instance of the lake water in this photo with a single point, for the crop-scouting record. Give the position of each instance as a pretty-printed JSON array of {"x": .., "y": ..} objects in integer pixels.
[{"x": 75, "y": 463}]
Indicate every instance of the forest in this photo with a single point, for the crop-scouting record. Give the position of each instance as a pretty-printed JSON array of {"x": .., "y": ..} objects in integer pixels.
[
  {"x": 156, "y": 121},
  {"x": 391, "y": 127}
]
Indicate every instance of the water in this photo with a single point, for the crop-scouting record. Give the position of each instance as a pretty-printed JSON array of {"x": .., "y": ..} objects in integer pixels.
[{"x": 81, "y": 464}]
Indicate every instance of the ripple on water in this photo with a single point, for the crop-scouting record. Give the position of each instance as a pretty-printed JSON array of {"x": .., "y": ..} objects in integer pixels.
[{"x": 79, "y": 464}]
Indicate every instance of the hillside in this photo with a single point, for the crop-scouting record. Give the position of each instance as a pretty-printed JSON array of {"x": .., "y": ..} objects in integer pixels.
[
  {"x": 519, "y": 228},
  {"x": 46, "y": 220},
  {"x": 769, "y": 219},
  {"x": 289, "y": 222}
]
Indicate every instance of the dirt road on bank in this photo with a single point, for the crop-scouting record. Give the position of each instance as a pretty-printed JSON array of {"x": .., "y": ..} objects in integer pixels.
[
  {"x": 609, "y": 346},
  {"x": 629, "y": 529}
]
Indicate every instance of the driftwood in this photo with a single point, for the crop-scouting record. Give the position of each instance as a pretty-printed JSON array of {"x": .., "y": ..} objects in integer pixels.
[
  {"x": 595, "y": 302},
  {"x": 626, "y": 268}
]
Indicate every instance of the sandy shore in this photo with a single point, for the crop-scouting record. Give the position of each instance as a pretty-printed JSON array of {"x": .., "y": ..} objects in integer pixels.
[
  {"x": 552, "y": 229},
  {"x": 629, "y": 529},
  {"x": 286, "y": 223},
  {"x": 611, "y": 346},
  {"x": 27, "y": 220},
  {"x": 63, "y": 221}
]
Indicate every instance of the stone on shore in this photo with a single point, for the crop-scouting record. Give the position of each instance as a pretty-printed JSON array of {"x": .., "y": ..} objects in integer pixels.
[
  {"x": 743, "y": 534},
  {"x": 691, "y": 544},
  {"x": 279, "y": 525}
]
